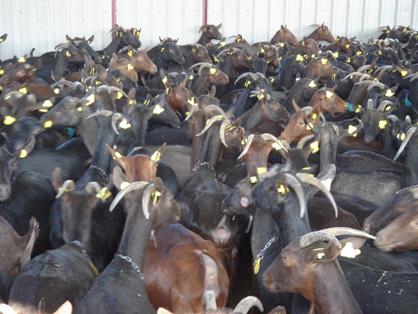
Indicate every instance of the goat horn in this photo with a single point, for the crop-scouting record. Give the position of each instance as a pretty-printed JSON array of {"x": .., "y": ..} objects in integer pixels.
[
  {"x": 101, "y": 112},
  {"x": 363, "y": 68},
  {"x": 222, "y": 128},
  {"x": 117, "y": 89},
  {"x": 378, "y": 84},
  {"x": 346, "y": 231},
  {"x": 244, "y": 306},
  {"x": 146, "y": 196},
  {"x": 408, "y": 136},
  {"x": 92, "y": 187},
  {"x": 309, "y": 179},
  {"x": 131, "y": 187},
  {"x": 251, "y": 74},
  {"x": 247, "y": 146},
  {"x": 383, "y": 104},
  {"x": 365, "y": 76},
  {"x": 303, "y": 140},
  {"x": 312, "y": 237},
  {"x": 199, "y": 64},
  {"x": 67, "y": 186},
  {"x": 210, "y": 122},
  {"x": 297, "y": 187},
  {"x": 115, "y": 118},
  {"x": 351, "y": 75}
]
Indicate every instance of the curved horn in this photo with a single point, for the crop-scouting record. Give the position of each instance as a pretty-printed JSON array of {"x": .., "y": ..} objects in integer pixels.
[
  {"x": 247, "y": 146},
  {"x": 312, "y": 237},
  {"x": 210, "y": 122},
  {"x": 131, "y": 187},
  {"x": 408, "y": 136},
  {"x": 100, "y": 112},
  {"x": 309, "y": 179},
  {"x": 222, "y": 128},
  {"x": 346, "y": 231},
  {"x": 244, "y": 306},
  {"x": 115, "y": 118},
  {"x": 303, "y": 140},
  {"x": 378, "y": 84},
  {"x": 92, "y": 187},
  {"x": 251, "y": 74},
  {"x": 200, "y": 63},
  {"x": 297, "y": 187},
  {"x": 67, "y": 186},
  {"x": 383, "y": 104}
]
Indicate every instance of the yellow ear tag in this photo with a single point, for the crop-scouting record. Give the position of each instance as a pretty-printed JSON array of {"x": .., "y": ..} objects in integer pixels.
[
  {"x": 306, "y": 168},
  {"x": 262, "y": 50},
  {"x": 43, "y": 110},
  {"x": 194, "y": 50},
  {"x": 347, "y": 46},
  {"x": 349, "y": 251},
  {"x": 328, "y": 94},
  {"x": 212, "y": 70},
  {"x": 348, "y": 60},
  {"x": 158, "y": 110},
  {"x": 23, "y": 153},
  {"x": 56, "y": 91},
  {"x": 261, "y": 96},
  {"x": 80, "y": 109},
  {"x": 130, "y": 67},
  {"x": 90, "y": 100},
  {"x": 9, "y": 120},
  {"x": 119, "y": 95},
  {"x": 165, "y": 80},
  {"x": 358, "y": 109},
  {"x": 190, "y": 77},
  {"x": 309, "y": 126},
  {"x": 47, "y": 104},
  {"x": 191, "y": 101},
  {"x": 324, "y": 61},
  {"x": 123, "y": 185},
  {"x": 351, "y": 129},
  {"x": 21, "y": 60},
  {"x": 167, "y": 90},
  {"x": 299, "y": 58},
  {"x": 404, "y": 73},
  {"x": 162, "y": 49},
  {"x": 155, "y": 196},
  {"x": 47, "y": 124},
  {"x": 261, "y": 170},
  {"x": 281, "y": 45},
  {"x": 389, "y": 93},
  {"x": 359, "y": 53},
  {"x": 103, "y": 194},
  {"x": 278, "y": 146},
  {"x": 124, "y": 124},
  {"x": 132, "y": 102},
  {"x": 383, "y": 124},
  {"x": 68, "y": 54},
  {"x": 312, "y": 84},
  {"x": 130, "y": 53},
  {"x": 253, "y": 179},
  {"x": 314, "y": 146},
  {"x": 23, "y": 90},
  {"x": 282, "y": 189},
  {"x": 156, "y": 156},
  {"x": 97, "y": 83},
  {"x": 138, "y": 33},
  {"x": 335, "y": 54},
  {"x": 1, "y": 71},
  {"x": 256, "y": 266},
  {"x": 247, "y": 83},
  {"x": 401, "y": 136},
  {"x": 314, "y": 116}
]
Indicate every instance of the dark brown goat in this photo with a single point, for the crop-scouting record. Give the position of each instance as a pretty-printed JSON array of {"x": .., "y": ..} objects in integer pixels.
[
  {"x": 284, "y": 35},
  {"x": 322, "y": 33}
]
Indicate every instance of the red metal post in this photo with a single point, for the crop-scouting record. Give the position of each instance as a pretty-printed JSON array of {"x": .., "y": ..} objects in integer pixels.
[{"x": 205, "y": 12}]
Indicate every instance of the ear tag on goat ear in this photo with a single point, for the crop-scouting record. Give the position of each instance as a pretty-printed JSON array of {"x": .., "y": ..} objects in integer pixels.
[
  {"x": 352, "y": 129},
  {"x": 43, "y": 110},
  {"x": 347, "y": 46},
  {"x": 48, "y": 124},
  {"x": 271, "y": 79},
  {"x": 162, "y": 49},
  {"x": 281, "y": 45},
  {"x": 329, "y": 94},
  {"x": 190, "y": 77},
  {"x": 130, "y": 67},
  {"x": 90, "y": 100},
  {"x": 358, "y": 109},
  {"x": 256, "y": 266},
  {"x": 278, "y": 146},
  {"x": 403, "y": 73},
  {"x": 23, "y": 90},
  {"x": 103, "y": 194},
  {"x": 312, "y": 84},
  {"x": 212, "y": 71},
  {"x": 80, "y": 109},
  {"x": 155, "y": 196},
  {"x": 133, "y": 102},
  {"x": 299, "y": 58},
  {"x": 124, "y": 124},
  {"x": 320, "y": 255},
  {"x": 324, "y": 61},
  {"x": 23, "y": 153},
  {"x": 1, "y": 71},
  {"x": 314, "y": 146},
  {"x": 314, "y": 116},
  {"x": 191, "y": 101},
  {"x": 253, "y": 179},
  {"x": 309, "y": 126},
  {"x": 130, "y": 53},
  {"x": 348, "y": 60},
  {"x": 138, "y": 33},
  {"x": 119, "y": 95},
  {"x": 165, "y": 79},
  {"x": 282, "y": 189},
  {"x": 47, "y": 104},
  {"x": 262, "y": 50},
  {"x": 9, "y": 120},
  {"x": 359, "y": 53},
  {"x": 247, "y": 83},
  {"x": 156, "y": 156},
  {"x": 349, "y": 251},
  {"x": 117, "y": 155},
  {"x": 261, "y": 170},
  {"x": 56, "y": 91},
  {"x": 401, "y": 136},
  {"x": 383, "y": 124},
  {"x": 335, "y": 54},
  {"x": 167, "y": 90},
  {"x": 389, "y": 93},
  {"x": 158, "y": 109},
  {"x": 68, "y": 54},
  {"x": 21, "y": 60}
]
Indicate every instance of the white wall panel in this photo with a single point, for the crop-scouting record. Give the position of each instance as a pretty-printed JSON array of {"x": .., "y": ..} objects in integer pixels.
[{"x": 43, "y": 23}]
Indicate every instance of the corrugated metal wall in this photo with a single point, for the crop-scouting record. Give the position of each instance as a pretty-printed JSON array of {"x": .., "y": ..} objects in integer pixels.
[{"x": 43, "y": 24}]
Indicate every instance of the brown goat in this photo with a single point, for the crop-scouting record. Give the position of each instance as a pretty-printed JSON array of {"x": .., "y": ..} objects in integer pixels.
[
  {"x": 284, "y": 35},
  {"x": 322, "y": 33},
  {"x": 183, "y": 272},
  {"x": 308, "y": 266}
]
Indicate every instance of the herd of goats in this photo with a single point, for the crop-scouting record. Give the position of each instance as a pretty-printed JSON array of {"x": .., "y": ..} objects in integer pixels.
[{"x": 214, "y": 177}]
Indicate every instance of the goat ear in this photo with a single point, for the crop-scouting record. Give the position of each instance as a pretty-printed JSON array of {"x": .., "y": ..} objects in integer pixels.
[
  {"x": 56, "y": 179},
  {"x": 219, "y": 26},
  {"x": 66, "y": 308},
  {"x": 90, "y": 40},
  {"x": 322, "y": 252}
]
